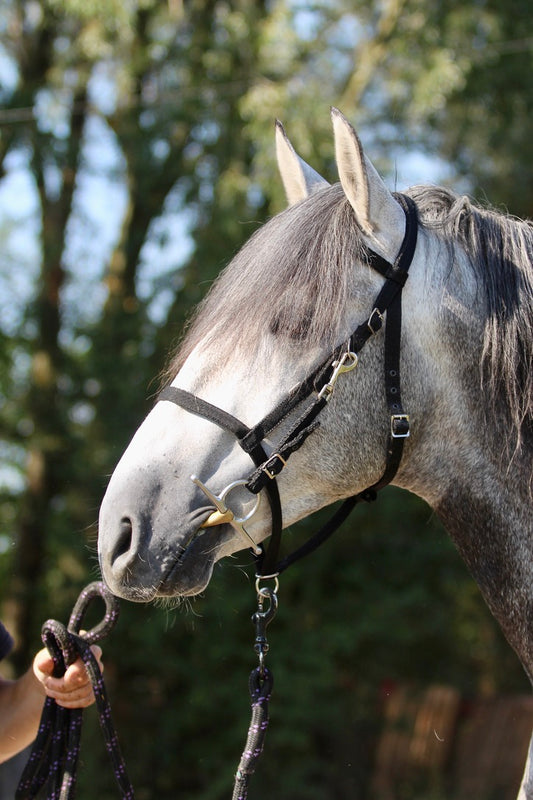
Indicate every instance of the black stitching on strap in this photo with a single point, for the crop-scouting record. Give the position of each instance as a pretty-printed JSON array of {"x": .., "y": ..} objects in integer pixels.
[{"x": 201, "y": 408}]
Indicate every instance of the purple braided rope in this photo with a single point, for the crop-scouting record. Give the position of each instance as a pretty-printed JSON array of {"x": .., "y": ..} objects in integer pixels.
[
  {"x": 54, "y": 757},
  {"x": 260, "y": 684}
]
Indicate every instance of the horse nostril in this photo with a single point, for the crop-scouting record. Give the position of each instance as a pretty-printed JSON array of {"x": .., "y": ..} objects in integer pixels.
[{"x": 124, "y": 539}]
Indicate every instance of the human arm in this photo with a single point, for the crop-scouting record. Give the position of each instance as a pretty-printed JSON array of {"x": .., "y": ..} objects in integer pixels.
[{"x": 21, "y": 701}]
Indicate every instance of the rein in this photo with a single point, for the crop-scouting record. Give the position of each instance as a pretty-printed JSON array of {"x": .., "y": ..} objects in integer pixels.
[
  {"x": 53, "y": 761},
  {"x": 387, "y": 308}
]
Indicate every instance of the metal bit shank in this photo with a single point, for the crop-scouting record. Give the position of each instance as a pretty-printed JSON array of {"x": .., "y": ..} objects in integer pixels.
[{"x": 224, "y": 515}]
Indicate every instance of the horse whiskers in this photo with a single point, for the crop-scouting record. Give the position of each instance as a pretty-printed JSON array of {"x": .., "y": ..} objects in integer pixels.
[
  {"x": 177, "y": 603},
  {"x": 240, "y": 568},
  {"x": 210, "y": 550}
]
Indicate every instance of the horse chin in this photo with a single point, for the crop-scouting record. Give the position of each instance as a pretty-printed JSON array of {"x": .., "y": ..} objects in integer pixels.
[{"x": 192, "y": 570}]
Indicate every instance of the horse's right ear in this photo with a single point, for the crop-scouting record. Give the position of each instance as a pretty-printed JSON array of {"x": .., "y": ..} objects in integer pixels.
[{"x": 299, "y": 179}]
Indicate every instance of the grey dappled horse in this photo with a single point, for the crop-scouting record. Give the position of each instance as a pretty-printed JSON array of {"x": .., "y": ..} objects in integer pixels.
[{"x": 290, "y": 298}]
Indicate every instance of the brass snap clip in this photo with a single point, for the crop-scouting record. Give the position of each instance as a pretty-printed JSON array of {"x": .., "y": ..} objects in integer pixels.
[{"x": 346, "y": 363}]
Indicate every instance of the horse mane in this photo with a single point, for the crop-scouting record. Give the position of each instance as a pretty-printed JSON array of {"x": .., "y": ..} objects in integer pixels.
[
  {"x": 293, "y": 277},
  {"x": 499, "y": 248}
]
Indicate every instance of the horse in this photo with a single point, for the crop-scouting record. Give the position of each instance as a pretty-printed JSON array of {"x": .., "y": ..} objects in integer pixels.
[{"x": 308, "y": 329}]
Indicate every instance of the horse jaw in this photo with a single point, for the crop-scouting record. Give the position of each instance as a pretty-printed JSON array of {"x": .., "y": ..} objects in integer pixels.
[
  {"x": 299, "y": 179},
  {"x": 378, "y": 215}
]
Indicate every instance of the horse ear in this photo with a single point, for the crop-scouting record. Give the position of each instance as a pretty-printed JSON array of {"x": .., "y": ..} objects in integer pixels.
[
  {"x": 299, "y": 179},
  {"x": 376, "y": 210}
]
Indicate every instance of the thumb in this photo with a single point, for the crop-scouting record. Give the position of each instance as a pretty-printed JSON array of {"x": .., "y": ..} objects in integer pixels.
[{"x": 43, "y": 664}]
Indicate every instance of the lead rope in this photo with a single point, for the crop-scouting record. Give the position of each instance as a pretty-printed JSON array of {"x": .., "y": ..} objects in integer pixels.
[
  {"x": 54, "y": 756},
  {"x": 260, "y": 685},
  {"x": 53, "y": 761}
]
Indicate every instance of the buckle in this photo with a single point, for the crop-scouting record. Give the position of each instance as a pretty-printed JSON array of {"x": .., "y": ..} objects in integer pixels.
[
  {"x": 375, "y": 321},
  {"x": 271, "y": 468},
  {"x": 399, "y": 426}
]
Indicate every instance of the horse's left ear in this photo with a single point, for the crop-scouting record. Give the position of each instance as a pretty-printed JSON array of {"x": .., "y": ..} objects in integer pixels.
[
  {"x": 378, "y": 214},
  {"x": 299, "y": 179}
]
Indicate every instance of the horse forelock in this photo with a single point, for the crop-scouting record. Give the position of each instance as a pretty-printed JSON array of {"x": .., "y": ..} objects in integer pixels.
[
  {"x": 499, "y": 248},
  {"x": 292, "y": 278}
]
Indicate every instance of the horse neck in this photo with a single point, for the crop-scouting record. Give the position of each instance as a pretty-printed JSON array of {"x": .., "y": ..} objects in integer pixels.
[
  {"x": 489, "y": 519},
  {"x": 483, "y": 499},
  {"x": 463, "y": 461}
]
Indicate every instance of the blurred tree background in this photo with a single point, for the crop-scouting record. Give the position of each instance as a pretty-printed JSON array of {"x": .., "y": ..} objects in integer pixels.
[{"x": 136, "y": 156}]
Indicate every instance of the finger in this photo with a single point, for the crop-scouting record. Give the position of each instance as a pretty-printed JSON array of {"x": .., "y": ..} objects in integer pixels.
[
  {"x": 75, "y": 676},
  {"x": 43, "y": 663},
  {"x": 97, "y": 651},
  {"x": 69, "y": 693},
  {"x": 77, "y": 699}
]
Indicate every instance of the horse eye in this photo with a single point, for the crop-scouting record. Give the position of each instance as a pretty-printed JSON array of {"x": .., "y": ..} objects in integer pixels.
[
  {"x": 295, "y": 329},
  {"x": 274, "y": 326}
]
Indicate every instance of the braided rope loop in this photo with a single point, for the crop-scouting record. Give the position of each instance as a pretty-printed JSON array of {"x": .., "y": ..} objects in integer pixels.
[{"x": 53, "y": 761}]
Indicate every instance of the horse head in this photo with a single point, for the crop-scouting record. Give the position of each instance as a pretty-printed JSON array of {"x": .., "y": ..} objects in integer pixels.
[
  {"x": 280, "y": 336},
  {"x": 287, "y": 301}
]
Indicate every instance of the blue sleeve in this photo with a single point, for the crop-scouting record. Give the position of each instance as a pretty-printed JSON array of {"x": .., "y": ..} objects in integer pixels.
[{"x": 6, "y": 642}]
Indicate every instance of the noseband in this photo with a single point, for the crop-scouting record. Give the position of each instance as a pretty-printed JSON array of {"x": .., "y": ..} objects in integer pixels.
[{"x": 317, "y": 389}]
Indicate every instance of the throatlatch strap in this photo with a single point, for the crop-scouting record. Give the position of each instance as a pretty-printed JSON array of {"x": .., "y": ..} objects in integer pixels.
[{"x": 399, "y": 421}]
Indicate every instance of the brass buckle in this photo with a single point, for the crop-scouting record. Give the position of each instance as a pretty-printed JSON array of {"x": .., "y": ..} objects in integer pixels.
[
  {"x": 270, "y": 472},
  {"x": 376, "y": 326}
]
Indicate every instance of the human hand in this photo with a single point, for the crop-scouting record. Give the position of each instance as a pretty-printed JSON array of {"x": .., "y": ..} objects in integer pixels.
[{"x": 74, "y": 689}]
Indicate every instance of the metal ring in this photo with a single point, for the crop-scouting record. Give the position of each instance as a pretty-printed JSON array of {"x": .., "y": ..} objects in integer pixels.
[
  {"x": 230, "y": 488},
  {"x": 264, "y": 591}
]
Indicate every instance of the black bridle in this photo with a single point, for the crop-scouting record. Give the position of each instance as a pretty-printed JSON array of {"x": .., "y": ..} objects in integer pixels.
[
  {"x": 321, "y": 384},
  {"x": 54, "y": 755}
]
